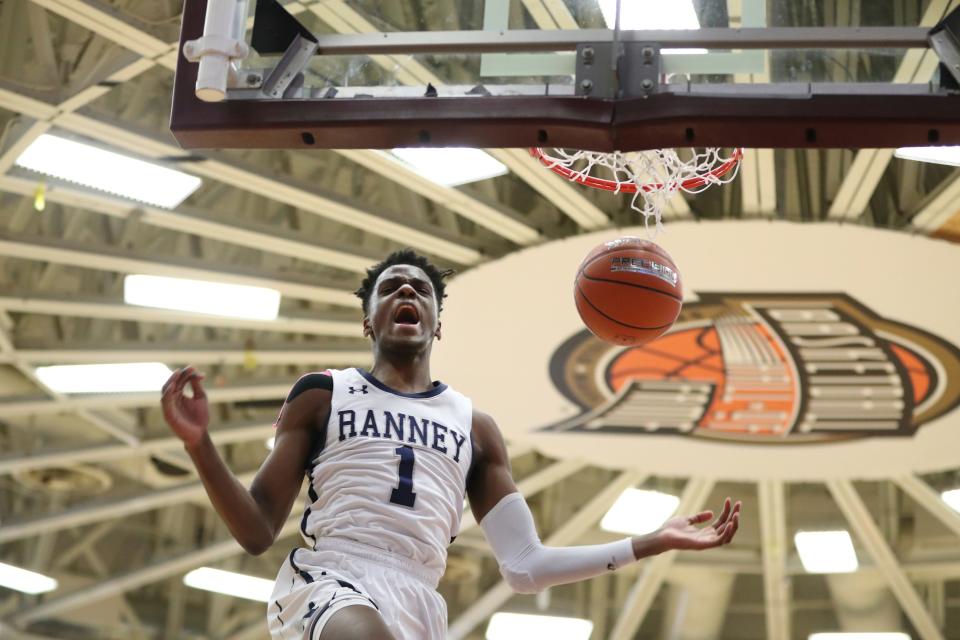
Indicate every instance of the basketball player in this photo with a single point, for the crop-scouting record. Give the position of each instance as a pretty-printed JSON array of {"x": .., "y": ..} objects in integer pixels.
[{"x": 389, "y": 455}]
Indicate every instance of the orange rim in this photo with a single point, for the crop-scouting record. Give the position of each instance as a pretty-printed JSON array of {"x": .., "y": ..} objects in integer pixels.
[{"x": 631, "y": 187}]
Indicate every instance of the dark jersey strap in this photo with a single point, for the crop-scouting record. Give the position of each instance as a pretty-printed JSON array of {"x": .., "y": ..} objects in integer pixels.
[{"x": 311, "y": 381}]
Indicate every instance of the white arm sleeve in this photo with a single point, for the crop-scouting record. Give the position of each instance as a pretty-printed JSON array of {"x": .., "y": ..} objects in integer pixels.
[{"x": 528, "y": 566}]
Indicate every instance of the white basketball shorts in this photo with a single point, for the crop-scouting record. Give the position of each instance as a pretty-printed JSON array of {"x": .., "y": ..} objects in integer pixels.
[{"x": 312, "y": 585}]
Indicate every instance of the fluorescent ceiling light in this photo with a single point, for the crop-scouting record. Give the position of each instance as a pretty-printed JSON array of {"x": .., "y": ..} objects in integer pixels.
[
  {"x": 108, "y": 171},
  {"x": 952, "y": 498},
  {"x": 637, "y": 511},
  {"x": 826, "y": 551},
  {"x": 938, "y": 155},
  {"x": 105, "y": 378},
  {"x": 25, "y": 581},
  {"x": 518, "y": 626},
  {"x": 643, "y": 15},
  {"x": 214, "y": 298},
  {"x": 869, "y": 635},
  {"x": 230, "y": 583},
  {"x": 451, "y": 166}
]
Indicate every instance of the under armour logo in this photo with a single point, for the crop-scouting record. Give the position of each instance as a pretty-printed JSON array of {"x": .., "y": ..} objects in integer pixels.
[{"x": 362, "y": 389}]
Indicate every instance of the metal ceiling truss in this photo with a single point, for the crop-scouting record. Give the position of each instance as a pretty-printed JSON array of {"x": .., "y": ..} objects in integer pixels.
[
  {"x": 866, "y": 530},
  {"x": 773, "y": 535},
  {"x": 98, "y": 18},
  {"x": 110, "y": 258},
  {"x": 263, "y": 354},
  {"x": 186, "y": 219},
  {"x": 654, "y": 570},
  {"x": 869, "y": 165},
  {"x": 111, "y": 309},
  {"x": 240, "y": 432},
  {"x": 98, "y": 511},
  {"x": 160, "y": 570}
]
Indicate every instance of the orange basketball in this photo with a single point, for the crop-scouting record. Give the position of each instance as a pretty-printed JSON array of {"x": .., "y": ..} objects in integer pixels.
[{"x": 628, "y": 291}]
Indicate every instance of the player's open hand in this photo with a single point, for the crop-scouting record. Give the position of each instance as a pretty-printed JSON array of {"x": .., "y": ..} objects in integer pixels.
[
  {"x": 682, "y": 532},
  {"x": 188, "y": 417}
]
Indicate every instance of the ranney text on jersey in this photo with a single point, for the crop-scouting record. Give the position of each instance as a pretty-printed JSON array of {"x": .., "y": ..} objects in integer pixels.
[{"x": 392, "y": 469}]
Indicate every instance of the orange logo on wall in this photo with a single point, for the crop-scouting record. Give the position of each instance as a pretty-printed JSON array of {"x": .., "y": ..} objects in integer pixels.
[{"x": 763, "y": 368}]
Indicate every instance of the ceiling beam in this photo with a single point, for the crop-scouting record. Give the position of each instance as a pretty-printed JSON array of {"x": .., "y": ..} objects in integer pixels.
[
  {"x": 215, "y": 395},
  {"x": 98, "y": 511},
  {"x": 869, "y": 165},
  {"x": 109, "y": 309},
  {"x": 9, "y": 155},
  {"x": 503, "y": 223},
  {"x": 6, "y": 631},
  {"x": 90, "y": 354},
  {"x": 104, "y": 453},
  {"x": 532, "y": 485},
  {"x": 160, "y": 570},
  {"x": 568, "y": 533},
  {"x": 112, "y": 25},
  {"x": 111, "y": 258},
  {"x": 186, "y": 219},
  {"x": 773, "y": 536},
  {"x": 558, "y": 191},
  {"x": 696, "y": 604},
  {"x": 869, "y": 534},
  {"x": 654, "y": 570},
  {"x": 117, "y": 431},
  {"x": 275, "y": 187},
  {"x": 941, "y": 210},
  {"x": 930, "y": 500}
]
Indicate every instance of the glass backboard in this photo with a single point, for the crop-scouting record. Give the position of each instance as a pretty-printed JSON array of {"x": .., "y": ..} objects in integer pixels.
[{"x": 466, "y": 54}]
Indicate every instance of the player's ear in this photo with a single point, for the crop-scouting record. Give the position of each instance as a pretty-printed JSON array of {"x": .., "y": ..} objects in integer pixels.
[
  {"x": 367, "y": 329},
  {"x": 436, "y": 333}
]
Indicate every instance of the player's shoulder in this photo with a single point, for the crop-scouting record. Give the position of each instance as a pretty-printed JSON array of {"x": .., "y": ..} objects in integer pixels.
[
  {"x": 310, "y": 381},
  {"x": 484, "y": 425},
  {"x": 482, "y": 416}
]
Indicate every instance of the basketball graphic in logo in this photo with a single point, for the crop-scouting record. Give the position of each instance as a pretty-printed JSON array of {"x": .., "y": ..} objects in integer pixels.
[{"x": 763, "y": 368}]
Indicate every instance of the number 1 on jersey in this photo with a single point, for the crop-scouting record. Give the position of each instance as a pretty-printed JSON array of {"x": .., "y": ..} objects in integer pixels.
[{"x": 404, "y": 494}]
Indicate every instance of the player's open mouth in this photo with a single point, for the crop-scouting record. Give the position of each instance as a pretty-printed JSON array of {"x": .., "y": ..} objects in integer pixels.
[{"x": 407, "y": 314}]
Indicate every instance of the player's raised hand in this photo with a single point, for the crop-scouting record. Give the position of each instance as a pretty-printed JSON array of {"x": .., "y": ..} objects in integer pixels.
[
  {"x": 682, "y": 533},
  {"x": 187, "y": 417}
]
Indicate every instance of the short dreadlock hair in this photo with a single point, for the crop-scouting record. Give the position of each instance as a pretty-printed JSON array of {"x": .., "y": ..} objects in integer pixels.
[{"x": 404, "y": 256}]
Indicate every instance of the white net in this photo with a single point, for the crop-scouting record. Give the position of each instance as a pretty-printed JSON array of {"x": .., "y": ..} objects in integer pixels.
[{"x": 653, "y": 177}]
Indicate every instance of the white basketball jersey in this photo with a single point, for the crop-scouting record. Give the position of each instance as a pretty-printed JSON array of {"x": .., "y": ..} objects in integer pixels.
[{"x": 393, "y": 468}]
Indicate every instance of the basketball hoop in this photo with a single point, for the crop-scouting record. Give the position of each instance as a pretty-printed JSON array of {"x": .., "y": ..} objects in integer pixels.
[{"x": 653, "y": 176}]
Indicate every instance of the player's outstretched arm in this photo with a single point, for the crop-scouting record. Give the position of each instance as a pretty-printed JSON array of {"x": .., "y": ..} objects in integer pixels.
[
  {"x": 527, "y": 565},
  {"x": 254, "y": 516}
]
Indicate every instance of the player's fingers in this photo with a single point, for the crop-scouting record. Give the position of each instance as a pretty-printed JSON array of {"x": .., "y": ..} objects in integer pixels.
[
  {"x": 184, "y": 377},
  {"x": 724, "y": 514},
  {"x": 732, "y": 527},
  {"x": 172, "y": 387},
  {"x": 703, "y": 516},
  {"x": 170, "y": 381},
  {"x": 196, "y": 387}
]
